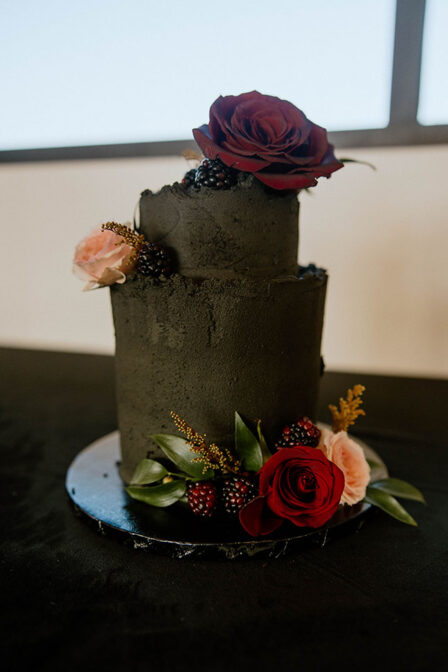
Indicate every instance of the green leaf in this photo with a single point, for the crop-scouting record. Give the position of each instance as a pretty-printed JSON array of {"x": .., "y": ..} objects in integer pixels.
[
  {"x": 178, "y": 451},
  {"x": 394, "y": 486},
  {"x": 158, "y": 495},
  {"x": 247, "y": 446},
  {"x": 148, "y": 471},
  {"x": 389, "y": 505},
  {"x": 363, "y": 163},
  {"x": 266, "y": 453}
]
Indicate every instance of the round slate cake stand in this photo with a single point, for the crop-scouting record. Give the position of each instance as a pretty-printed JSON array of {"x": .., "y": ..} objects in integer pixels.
[{"x": 95, "y": 488}]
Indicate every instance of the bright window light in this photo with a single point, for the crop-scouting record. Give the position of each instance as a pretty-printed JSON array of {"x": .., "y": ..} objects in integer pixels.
[
  {"x": 103, "y": 71},
  {"x": 433, "y": 103}
]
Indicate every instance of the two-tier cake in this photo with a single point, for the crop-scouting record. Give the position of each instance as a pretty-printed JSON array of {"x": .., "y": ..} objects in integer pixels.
[
  {"x": 218, "y": 333},
  {"x": 237, "y": 327}
]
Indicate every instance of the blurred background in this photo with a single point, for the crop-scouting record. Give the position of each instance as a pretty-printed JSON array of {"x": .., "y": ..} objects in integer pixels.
[{"x": 98, "y": 102}]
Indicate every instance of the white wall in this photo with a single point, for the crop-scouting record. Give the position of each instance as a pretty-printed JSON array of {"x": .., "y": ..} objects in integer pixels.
[{"x": 381, "y": 235}]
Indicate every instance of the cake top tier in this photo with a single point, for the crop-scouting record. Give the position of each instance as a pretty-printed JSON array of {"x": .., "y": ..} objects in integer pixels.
[
  {"x": 268, "y": 150},
  {"x": 246, "y": 230}
]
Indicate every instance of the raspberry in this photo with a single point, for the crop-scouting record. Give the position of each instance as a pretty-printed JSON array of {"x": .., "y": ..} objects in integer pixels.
[
  {"x": 300, "y": 433},
  {"x": 237, "y": 491},
  {"x": 202, "y": 498}
]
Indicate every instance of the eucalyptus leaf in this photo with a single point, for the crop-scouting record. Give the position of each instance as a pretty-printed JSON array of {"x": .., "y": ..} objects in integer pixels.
[
  {"x": 148, "y": 471},
  {"x": 178, "y": 451},
  {"x": 394, "y": 486},
  {"x": 158, "y": 495},
  {"x": 247, "y": 446},
  {"x": 266, "y": 453},
  {"x": 389, "y": 505}
]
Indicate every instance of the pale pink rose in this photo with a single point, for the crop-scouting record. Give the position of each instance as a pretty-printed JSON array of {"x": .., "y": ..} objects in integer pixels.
[
  {"x": 102, "y": 258},
  {"x": 350, "y": 458}
]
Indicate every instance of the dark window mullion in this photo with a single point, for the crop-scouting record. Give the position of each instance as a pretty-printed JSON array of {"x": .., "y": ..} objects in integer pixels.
[
  {"x": 409, "y": 22},
  {"x": 118, "y": 151}
]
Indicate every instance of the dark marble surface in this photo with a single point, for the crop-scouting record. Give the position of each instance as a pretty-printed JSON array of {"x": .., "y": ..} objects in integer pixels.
[{"x": 73, "y": 599}]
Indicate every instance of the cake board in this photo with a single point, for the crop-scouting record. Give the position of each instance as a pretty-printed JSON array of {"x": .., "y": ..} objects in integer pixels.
[{"x": 97, "y": 492}]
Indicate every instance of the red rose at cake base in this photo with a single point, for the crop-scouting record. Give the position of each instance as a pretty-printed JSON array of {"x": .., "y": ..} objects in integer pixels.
[
  {"x": 268, "y": 137},
  {"x": 298, "y": 484}
]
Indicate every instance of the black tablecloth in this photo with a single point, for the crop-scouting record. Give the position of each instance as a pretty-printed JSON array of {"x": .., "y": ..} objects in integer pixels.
[{"x": 73, "y": 600}]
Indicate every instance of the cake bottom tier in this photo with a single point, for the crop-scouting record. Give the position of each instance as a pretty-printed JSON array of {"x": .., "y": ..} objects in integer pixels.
[{"x": 208, "y": 348}]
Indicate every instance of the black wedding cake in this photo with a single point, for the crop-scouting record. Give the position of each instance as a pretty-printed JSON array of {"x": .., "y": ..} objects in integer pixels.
[
  {"x": 218, "y": 351},
  {"x": 238, "y": 326}
]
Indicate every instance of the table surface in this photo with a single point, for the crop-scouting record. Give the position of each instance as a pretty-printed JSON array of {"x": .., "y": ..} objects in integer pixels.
[{"x": 72, "y": 599}]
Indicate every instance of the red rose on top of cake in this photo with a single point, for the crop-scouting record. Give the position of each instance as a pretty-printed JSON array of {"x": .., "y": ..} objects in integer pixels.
[{"x": 268, "y": 137}]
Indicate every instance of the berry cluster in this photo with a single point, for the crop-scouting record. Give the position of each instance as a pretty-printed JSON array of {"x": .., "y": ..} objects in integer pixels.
[
  {"x": 154, "y": 261},
  {"x": 236, "y": 491},
  {"x": 211, "y": 173},
  {"x": 230, "y": 495},
  {"x": 300, "y": 433}
]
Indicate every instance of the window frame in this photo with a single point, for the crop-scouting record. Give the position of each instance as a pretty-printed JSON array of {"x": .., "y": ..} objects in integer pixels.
[{"x": 403, "y": 127}]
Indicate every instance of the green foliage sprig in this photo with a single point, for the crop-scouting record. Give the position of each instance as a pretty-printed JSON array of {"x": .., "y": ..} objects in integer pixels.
[
  {"x": 382, "y": 494},
  {"x": 195, "y": 459}
]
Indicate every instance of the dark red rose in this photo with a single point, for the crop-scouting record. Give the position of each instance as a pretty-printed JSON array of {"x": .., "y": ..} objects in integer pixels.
[
  {"x": 298, "y": 484},
  {"x": 269, "y": 137}
]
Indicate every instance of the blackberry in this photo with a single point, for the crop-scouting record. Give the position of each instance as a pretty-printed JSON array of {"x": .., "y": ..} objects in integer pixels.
[
  {"x": 300, "y": 433},
  {"x": 202, "y": 498},
  {"x": 154, "y": 261},
  {"x": 189, "y": 177},
  {"x": 237, "y": 491},
  {"x": 214, "y": 174}
]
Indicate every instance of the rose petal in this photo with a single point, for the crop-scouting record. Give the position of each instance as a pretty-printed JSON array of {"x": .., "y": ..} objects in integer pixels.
[
  {"x": 117, "y": 258},
  {"x": 349, "y": 457},
  {"x": 91, "y": 285},
  {"x": 211, "y": 151},
  {"x": 80, "y": 272},
  {"x": 318, "y": 143},
  {"x": 281, "y": 181},
  {"x": 314, "y": 519},
  {"x": 257, "y": 519}
]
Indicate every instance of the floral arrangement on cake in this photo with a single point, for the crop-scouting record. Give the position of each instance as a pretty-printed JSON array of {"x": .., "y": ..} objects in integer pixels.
[
  {"x": 113, "y": 251},
  {"x": 310, "y": 473},
  {"x": 250, "y": 133}
]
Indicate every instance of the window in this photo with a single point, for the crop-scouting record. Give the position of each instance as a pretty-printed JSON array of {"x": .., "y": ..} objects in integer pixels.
[
  {"x": 433, "y": 104},
  {"x": 97, "y": 78}
]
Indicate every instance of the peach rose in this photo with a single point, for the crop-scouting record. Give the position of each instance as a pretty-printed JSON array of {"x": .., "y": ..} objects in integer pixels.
[
  {"x": 102, "y": 258},
  {"x": 350, "y": 458}
]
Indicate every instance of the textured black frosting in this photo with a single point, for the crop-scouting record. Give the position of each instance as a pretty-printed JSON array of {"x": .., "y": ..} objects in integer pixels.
[
  {"x": 246, "y": 230},
  {"x": 238, "y": 328}
]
